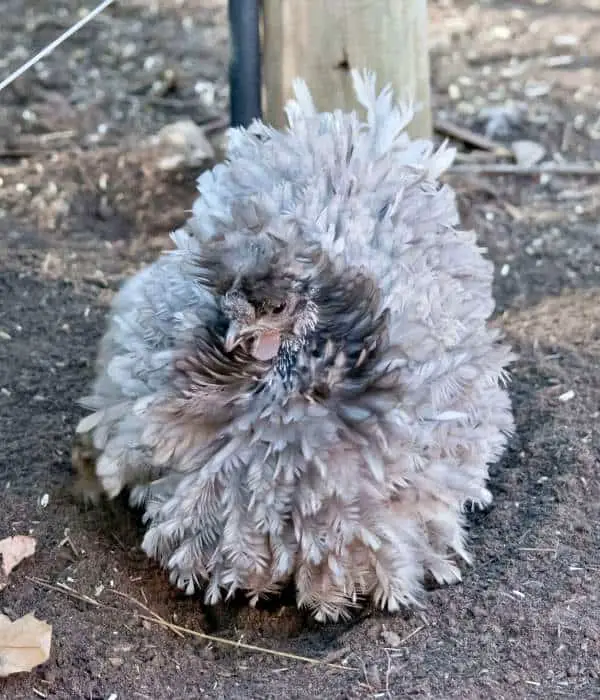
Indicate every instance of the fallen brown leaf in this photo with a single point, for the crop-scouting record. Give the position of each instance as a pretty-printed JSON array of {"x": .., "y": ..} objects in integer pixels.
[
  {"x": 24, "y": 644},
  {"x": 13, "y": 550}
]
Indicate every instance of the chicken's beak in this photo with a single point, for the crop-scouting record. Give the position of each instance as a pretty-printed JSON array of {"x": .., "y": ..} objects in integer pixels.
[{"x": 233, "y": 337}]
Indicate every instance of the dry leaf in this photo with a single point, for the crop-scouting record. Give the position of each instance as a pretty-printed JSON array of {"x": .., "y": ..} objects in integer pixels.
[
  {"x": 24, "y": 644},
  {"x": 13, "y": 550}
]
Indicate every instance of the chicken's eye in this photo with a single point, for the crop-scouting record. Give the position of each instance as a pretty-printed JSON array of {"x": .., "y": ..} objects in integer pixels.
[{"x": 280, "y": 308}]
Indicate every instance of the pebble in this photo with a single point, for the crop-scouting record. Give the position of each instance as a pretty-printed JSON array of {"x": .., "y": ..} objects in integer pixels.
[
  {"x": 478, "y": 611},
  {"x": 528, "y": 153},
  {"x": 454, "y": 92},
  {"x": 559, "y": 61},
  {"x": 391, "y": 638},
  {"x": 501, "y": 32},
  {"x": 565, "y": 40},
  {"x": 182, "y": 143},
  {"x": 512, "y": 677},
  {"x": 534, "y": 89}
]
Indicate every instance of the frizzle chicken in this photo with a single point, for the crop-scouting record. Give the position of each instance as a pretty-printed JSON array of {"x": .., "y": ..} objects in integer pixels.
[{"x": 306, "y": 389}]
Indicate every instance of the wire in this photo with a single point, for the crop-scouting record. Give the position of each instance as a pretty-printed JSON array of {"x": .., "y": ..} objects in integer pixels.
[{"x": 57, "y": 42}]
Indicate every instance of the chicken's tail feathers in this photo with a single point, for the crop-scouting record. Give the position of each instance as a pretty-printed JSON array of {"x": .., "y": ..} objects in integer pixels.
[
  {"x": 385, "y": 116},
  {"x": 388, "y": 118},
  {"x": 386, "y": 122},
  {"x": 303, "y": 105}
]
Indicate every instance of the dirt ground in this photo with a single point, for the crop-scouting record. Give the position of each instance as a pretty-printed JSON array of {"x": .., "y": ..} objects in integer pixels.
[{"x": 82, "y": 205}]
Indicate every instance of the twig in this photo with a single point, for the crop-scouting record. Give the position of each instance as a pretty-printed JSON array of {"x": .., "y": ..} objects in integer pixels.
[
  {"x": 242, "y": 645},
  {"x": 56, "y": 135},
  {"x": 29, "y": 146},
  {"x": 57, "y": 42},
  {"x": 405, "y": 639},
  {"x": 155, "y": 615},
  {"x": 478, "y": 156},
  {"x": 178, "y": 629},
  {"x": 566, "y": 136},
  {"x": 470, "y": 137},
  {"x": 216, "y": 124},
  {"x": 514, "y": 169},
  {"x": 67, "y": 540},
  {"x": 67, "y": 590},
  {"x": 220, "y": 640},
  {"x": 17, "y": 153}
]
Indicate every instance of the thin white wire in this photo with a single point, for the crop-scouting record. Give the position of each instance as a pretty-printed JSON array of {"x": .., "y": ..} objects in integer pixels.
[{"x": 57, "y": 42}]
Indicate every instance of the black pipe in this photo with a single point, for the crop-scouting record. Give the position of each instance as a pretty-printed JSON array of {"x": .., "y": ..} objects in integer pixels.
[{"x": 244, "y": 66}]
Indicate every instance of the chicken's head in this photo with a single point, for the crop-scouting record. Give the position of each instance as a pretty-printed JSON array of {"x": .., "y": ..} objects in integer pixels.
[{"x": 268, "y": 321}]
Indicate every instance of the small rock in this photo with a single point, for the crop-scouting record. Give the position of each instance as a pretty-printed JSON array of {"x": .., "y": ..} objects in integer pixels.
[
  {"x": 392, "y": 639},
  {"x": 454, "y": 92},
  {"x": 337, "y": 655},
  {"x": 182, "y": 143},
  {"x": 153, "y": 63},
  {"x": 499, "y": 120},
  {"x": 207, "y": 92},
  {"x": 52, "y": 266},
  {"x": 167, "y": 82},
  {"x": 528, "y": 153},
  {"x": 129, "y": 50},
  {"x": 501, "y": 32},
  {"x": 374, "y": 631},
  {"x": 567, "y": 396},
  {"x": 104, "y": 211},
  {"x": 512, "y": 677},
  {"x": 373, "y": 676},
  {"x": 565, "y": 40},
  {"x": 533, "y": 90},
  {"x": 559, "y": 61},
  {"x": 478, "y": 611}
]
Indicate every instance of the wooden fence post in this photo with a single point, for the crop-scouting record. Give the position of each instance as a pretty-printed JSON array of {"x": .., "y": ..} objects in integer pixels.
[{"x": 322, "y": 40}]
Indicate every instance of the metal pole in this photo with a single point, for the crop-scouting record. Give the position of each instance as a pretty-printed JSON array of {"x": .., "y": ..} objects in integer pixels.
[{"x": 244, "y": 67}]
